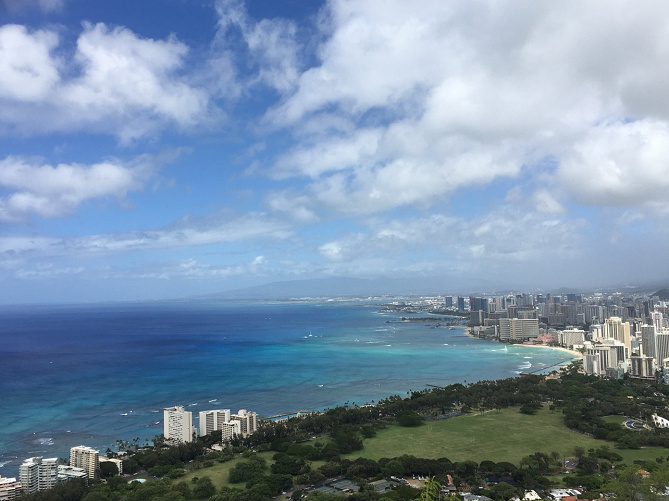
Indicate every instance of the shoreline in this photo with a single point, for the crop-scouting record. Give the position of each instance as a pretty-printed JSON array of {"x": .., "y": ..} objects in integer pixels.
[{"x": 575, "y": 354}]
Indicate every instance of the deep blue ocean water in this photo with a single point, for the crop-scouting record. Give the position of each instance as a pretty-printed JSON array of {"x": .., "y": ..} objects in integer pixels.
[{"x": 88, "y": 375}]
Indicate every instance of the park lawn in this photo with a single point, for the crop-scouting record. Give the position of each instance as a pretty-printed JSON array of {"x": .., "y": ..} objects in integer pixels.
[
  {"x": 617, "y": 419},
  {"x": 499, "y": 435},
  {"x": 219, "y": 472}
]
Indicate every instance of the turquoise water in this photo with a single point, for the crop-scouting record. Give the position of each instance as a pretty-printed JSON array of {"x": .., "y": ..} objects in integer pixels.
[{"x": 93, "y": 374}]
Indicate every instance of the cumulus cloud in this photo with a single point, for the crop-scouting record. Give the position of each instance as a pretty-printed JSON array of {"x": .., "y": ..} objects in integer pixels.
[
  {"x": 38, "y": 189},
  {"x": 28, "y": 71},
  {"x": 449, "y": 95},
  {"x": 120, "y": 83}
]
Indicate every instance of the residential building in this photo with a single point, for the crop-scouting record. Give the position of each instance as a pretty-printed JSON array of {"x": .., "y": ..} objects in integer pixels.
[
  {"x": 86, "y": 458},
  {"x": 608, "y": 357},
  {"x": 178, "y": 424},
  {"x": 230, "y": 429},
  {"x": 66, "y": 473},
  {"x": 213, "y": 420},
  {"x": 657, "y": 319},
  {"x": 38, "y": 474},
  {"x": 642, "y": 367},
  {"x": 248, "y": 421},
  {"x": 569, "y": 337},
  {"x": 648, "y": 345},
  {"x": 616, "y": 329},
  {"x": 518, "y": 329},
  {"x": 10, "y": 488},
  {"x": 591, "y": 364}
]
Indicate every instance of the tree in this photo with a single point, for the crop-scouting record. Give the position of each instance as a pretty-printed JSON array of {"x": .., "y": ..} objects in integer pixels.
[
  {"x": 431, "y": 490},
  {"x": 183, "y": 488},
  {"x": 410, "y": 418},
  {"x": 108, "y": 469},
  {"x": 204, "y": 488},
  {"x": 502, "y": 491}
]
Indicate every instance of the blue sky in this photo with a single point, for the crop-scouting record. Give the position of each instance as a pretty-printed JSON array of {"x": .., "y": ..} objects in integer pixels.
[{"x": 167, "y": 148}]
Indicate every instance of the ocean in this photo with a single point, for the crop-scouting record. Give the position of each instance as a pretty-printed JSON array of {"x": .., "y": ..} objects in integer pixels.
[{"x": 91, "y": 374}]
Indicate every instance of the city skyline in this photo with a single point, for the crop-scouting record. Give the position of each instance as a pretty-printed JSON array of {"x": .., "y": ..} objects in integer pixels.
[{"x": 178, "y": 148}]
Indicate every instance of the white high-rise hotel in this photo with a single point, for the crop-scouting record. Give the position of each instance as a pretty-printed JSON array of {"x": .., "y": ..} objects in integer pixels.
[
  {"x": 243, "y": 423},
  {"x": 86, "y": 458},
  {"x": 178, "y": 424},
  {"x": 38, "y": 474}
]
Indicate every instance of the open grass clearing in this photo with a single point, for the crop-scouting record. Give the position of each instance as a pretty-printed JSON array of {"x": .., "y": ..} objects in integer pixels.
[
  {"x": 499, "y": 435},
  {"x": 218, "y": 473}
]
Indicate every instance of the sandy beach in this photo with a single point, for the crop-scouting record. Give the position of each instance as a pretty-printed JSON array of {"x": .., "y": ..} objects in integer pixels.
[{"x": 574, "y": 353}]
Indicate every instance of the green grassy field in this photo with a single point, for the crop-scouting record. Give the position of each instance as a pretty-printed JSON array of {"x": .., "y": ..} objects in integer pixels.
[
  {"x": 501, "y": 435},
  {"x": 219, "y": 472}
]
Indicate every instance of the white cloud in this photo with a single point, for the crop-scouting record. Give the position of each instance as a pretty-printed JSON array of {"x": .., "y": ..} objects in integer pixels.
[
  {"x": 121, "y": 84},
  {"x": 28, "y": 71},
  {"x": 506, "y": 242},
  {"x": 619, "y": 164},
  {"x": 38, "y": 189},
  {"x": 420, "y": 102},
  {"x": 293, "y": 205}
]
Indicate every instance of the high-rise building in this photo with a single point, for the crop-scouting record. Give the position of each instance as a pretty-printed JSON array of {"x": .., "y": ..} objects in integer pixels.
[
  {"x": 230, "y": 430},
  {"x": 608, "y": 356},
  {"x": 10, "y": 488},
  {"x": 213, "y": 420},
  {"x": 178, "y": 424},
  {"x": 642, "y": 367},
  {"x": 248, "y": 421},
  {"x": 478, "y": 304},
  {"x": 661, "y": 346},
  {"x": 648, "y": 346},
  {"x": 570, "y": 337},
  {"x": 657, "y": 319},
  {"x": 461, "y": 303},
  {"x": 518, "y": 329},
  {"x": 86, "y": 458},
  {"x": 591, "y": 364},
  {"x": 38, "y": 474},
  {"x": 616, "y": 329}
]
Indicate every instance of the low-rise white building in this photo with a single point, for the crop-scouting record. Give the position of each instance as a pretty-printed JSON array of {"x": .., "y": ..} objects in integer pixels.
[
  {"x": 660, "y": 422},
  {"x": 10, "y": 488}
]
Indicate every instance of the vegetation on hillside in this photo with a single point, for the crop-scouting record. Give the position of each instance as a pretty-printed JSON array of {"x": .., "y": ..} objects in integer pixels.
[{"x": 288, "y": 459}]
